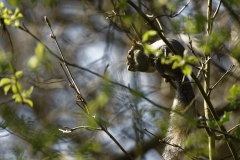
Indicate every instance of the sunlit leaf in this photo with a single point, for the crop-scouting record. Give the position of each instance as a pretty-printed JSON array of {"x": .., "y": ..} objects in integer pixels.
[
  {"x": 186, "y": 70},
  {"x": 192, "y": 59},
  {"x": 1, "y": 5},
  {"x": 176, "y": 64},
  {"x": 17, "y": 88},
  {"x": 102, "y": 99},
  {"x": 17, "y": 23},
  {"x": 29, "y": 91},
  {"x": 234, "y": 91},
  {"x": 148, "y": 50},
  {"x": 18, "y": 74},
  {"x": 29, "y": 102},
  {"x": 33, "y": 63},
  {"x": 225, "y": 118},
  {"x": 5, "y": 81},
  {"x": 7, "y": 22},
  {"x": 19, "y": 15},
  {"x": 148, "y": 34},
  {"x": 176, "y": 58},
  {"x": 39, "y": 51},
  {"x": 13, "y": 2},
  {"x": 17, "y": 97},
  {"x": 212, "y": 123},
  {"x": 6, "y": 88}
]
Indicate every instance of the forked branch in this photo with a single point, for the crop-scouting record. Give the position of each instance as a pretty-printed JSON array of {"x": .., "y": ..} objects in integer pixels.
[{"x": 80, "y": 97}]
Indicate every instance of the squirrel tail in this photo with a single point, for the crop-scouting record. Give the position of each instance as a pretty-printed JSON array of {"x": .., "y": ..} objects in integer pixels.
[
  {"x": 182, "y": 119},
  {"x": 179, "y": 128}
]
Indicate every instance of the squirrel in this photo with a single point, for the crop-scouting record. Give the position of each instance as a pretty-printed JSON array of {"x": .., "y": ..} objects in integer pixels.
[{"x": 179, "y": 125}]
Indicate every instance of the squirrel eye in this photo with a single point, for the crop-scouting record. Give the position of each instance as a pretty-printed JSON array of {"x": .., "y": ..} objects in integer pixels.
[{"x": 130, "y": 52}]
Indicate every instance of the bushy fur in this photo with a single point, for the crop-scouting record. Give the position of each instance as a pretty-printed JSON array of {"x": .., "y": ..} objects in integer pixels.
[{"x": 179, "y": 125}]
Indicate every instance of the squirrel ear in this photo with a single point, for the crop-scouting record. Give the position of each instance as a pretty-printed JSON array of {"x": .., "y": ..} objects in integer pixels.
[{"x": 134, "y": 43}]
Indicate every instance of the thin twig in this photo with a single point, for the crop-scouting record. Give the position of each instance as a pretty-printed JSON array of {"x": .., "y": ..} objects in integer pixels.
[
  {"x": 210, "y": 58},
  {"x": 152, "y": 15},
  {"x": 214, "y": 114},
  {"x": 105, "y": 70},
  {"x": 180, "y": 11},
  {"x": 25, "y": 29},
  {"x": 172, "y": 15},
  {"x": 61, "y": 54},
  {"x": 227, "y": 157},
  {"x": 209, "y": 20},
  {"x": 211, "y": 88},
  {"x": 80, "y": 97},
  {"x": 234, "y": 128},
  {"x": 191, "y": 47},
  {"x": 69, "y": 130},
  {"x": 72, "y": 81},
  {"x": 216, "y": 12},
  {"x": 218, "y": 131},
  {"x": 208, "y": 110},
  {"x": 174, "y": 51}
]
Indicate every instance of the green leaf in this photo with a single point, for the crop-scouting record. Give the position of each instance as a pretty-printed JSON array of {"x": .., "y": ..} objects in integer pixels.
[
  {"x": 29, "y": 102},
  {"x": 148, "y": 34},
  {"x": 176, "y": 58},
  {"x": 18, "y": 74},
  {"x": 7, "y": 22},
  {"x": 1, "y": 5},
  {"x": 195, "y": 24},
  {"x": 177, "y": 61},
  {"x": 17, "y": 98},
  {"x": 19, "y": 15},
  {"x": 33, "y": 63},
  {"x": 234, "y": 91},
  {"x": 236, "y": 51},
  {"x": 102, "y": 99},
  {"x": 191, "y": 59},
  {"x": 212, "y": 123},
  {"x": 13, "y": 2},
  {"x": 39, "y": 51},
  {"x": 17, "y": 88},
  {"x": 186, "y": 70},
  {"x": 225, "y": 118},
  {"x": 17, "y": 23},
  {"x": 175, "y": 65},
  {"x": 5, "y": 81},
  {"x": 149, "y": 50},
  {"x": 29, "y": 91},
  {"x": 6, "y": 88}
]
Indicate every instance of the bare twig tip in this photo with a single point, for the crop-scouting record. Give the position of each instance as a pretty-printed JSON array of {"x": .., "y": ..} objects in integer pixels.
[
  {"x": 46, "y": 20},
  {"x": 52, "y": 36}
]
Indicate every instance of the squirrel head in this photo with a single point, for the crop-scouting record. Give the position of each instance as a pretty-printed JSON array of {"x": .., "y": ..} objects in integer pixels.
[{"x": 137, "y": 60}]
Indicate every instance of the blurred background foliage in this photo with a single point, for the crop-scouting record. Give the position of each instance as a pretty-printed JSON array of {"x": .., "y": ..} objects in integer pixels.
[{"x": 92, "y": 35}]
